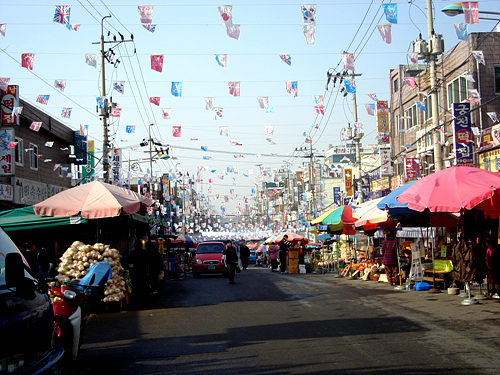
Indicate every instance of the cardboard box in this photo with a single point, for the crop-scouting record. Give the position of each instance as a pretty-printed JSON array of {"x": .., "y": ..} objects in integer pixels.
[
  {"x": 293, "y": 254},
  {"x": 293, "y": 263},
  {"x": 302, "y": 268},
  {"x": 293, "y": 269}
]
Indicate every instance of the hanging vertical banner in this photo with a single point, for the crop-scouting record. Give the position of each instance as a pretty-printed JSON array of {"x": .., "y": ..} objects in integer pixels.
[
  {"x": 385, "y": 162},
  {"x": 462, "y": 133},
  {"x": 7, "y": 153},
  {"x": 116, "y": 164},
  {"x": 348, "y": 182},
  {"x": 383, "y": 122},
  {"x": 80, "y": 148},
  {"x": 9, "y": 100},
  {"x": 412, "y": 168},
  {"x": 336, "y": 194},
  {"x": 88, "y": 171}
]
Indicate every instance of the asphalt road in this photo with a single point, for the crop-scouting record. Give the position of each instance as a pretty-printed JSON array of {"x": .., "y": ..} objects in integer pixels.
[{"x": 271, "y": 323}]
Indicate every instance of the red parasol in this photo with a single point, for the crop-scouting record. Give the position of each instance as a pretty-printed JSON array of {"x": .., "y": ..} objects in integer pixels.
[{"x": 292, "y": 237}]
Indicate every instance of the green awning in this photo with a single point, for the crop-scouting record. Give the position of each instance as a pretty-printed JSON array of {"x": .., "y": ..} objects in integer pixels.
[{"x": 24, "y": 218}]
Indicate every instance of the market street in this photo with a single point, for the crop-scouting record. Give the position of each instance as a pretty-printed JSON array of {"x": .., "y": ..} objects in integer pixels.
[{"x": 271, "y": 323}]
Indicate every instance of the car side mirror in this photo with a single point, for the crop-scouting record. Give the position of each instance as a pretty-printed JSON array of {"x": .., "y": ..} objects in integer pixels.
[{"x": 14, "y": 276}]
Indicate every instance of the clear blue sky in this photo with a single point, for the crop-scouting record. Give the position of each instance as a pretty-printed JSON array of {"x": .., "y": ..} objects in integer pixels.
[{"x": 189, "y": 34}]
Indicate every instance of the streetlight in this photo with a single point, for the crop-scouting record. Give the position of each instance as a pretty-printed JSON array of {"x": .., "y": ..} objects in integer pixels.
[{"x": 453, "y": 10}]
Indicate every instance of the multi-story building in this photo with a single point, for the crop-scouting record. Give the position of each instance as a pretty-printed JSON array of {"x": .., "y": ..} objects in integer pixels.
[
  {"x": 461, "y": 78},
  {"x": 36, "y": 154}
]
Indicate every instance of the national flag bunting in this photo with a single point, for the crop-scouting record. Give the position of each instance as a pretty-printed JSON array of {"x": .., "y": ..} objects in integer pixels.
[
  {"x": 62, "y": 13},
  {"x": 115, "y": 112},
  {"x": 66, "y": 112},
  {"x": 348, "y": 59},
  {"x": 176, "y": 131},
  {"x": 358, "y": 127},
  {"x": 155, "y": 100},
  {"x": 319, "y": 109},
  {"x": 292, "y": 86},
  {"x": 391, "y": 12},
  {"x": 166, "y": 113},
  {"x": 309, "y": 31},
  {"x": 3, "y": 29},
  {"x": 385, "y": 33},
  {"x": 119, "y": 86},
  {"x": 217, "y": 112},
  {"x": 149, "y": 27},
  {"x": 60, "y": 84},
  {"x": 287, "y": 58},
  {"x": 373, "y": 97},
  {"x": 209, "y": 103},
  {"x": 308, "y": 13},
  {"x": 35, "y": 126},
  {"x": 100, "y": 101},
  {"x": 43, "y": 99},
  {"x": 176, "y": 88},
  {"x": 263, "y": 102},
  {"x": 145, "y": 13},
  {"x": 84, "y": 129},
  {"x": 4, "y": 82},
  {"x": 27, "y": 60},
  {"x": 318, "y": 100},
  {"x": 130, "y": 129},
  {"x": 371, "y": 109},
  {"x": 157, "y": 63},
  {"x": 471, "y": 11},
  {"x": 221, "y": 60},
  {"x": 234, "y": 88},
  {"x": 91, "y": 59}
]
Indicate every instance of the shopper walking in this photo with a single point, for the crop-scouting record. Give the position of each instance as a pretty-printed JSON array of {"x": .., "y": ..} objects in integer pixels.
[
  {"x": 390, "y": 254},
  {"x": 244, "y": 255},
  {"x": 284, "y": 245},
  {"x": 231, "y": 260},
  {"x": 273, "y": 256}
]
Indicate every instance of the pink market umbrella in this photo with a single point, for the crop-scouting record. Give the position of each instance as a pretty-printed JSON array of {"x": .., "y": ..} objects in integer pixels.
[
  {"x": 455, "y": 189},
  {"x": 292, "y": 237},
  {"x": 93, "y": 200}
]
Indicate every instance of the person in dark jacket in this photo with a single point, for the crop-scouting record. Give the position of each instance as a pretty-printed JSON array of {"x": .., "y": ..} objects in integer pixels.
[
  {"x": 284, "y": 245},
  {"x": 231, "y": 260},
  {"x": 244, "y": 255}
]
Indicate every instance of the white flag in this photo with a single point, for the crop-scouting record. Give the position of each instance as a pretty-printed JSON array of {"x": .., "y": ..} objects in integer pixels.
[
  {"x": 91, "y": 59},
  {"x": 60, "y": 84},
  {"x": 269, "y": 129},
  {"x": 3, "y": 28},
  {"x": 263, "y": 102},
  {"x": 119, "y": 86},
  {"x": 209, "y": 103},
  {"x": 233, "y": 32},
  {"x": 309, "y": 30},
  {"x": 224, "y": 130},
  {"x": 167, "y": 112},
  {"x": 226, "y": 14}
]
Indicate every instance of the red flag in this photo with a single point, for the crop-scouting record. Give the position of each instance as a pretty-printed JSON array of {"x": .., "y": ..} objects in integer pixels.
[
  {"x": 157, "y": 62},
  {"x": 319, "y": 109},
  {"x": 27, "y": 60},
  {"x": 35, "y": 126},
  {"x": 176, "y": 131},
  {"x": 234, "y": 88},
  {"x": 12, "y": 144},
  {"x": 115, "y": 112},
  {"x": 155, "y": 100},
  {"x": 471, "y": 11}
]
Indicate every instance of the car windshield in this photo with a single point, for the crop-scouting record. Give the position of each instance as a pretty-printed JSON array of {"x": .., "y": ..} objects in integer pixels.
[{"x": 210, "y": 248}]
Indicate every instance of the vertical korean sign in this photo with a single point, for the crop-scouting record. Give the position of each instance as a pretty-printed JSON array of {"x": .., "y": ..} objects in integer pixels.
[
  {"x": 462, "y": 132},
  {"x": 6, "y": 153},
  {"x": 80, "y": 148},
  {"x": 385, "y": 162},
  {"x": 348, "y": 182},
  {"x": 116, "y": 164},
  {"x": 383, "y": 122},
  {"x": 88, "y": 169},
  {"x": 9, "y": 100},
  {"x": 412, "y": 169}
]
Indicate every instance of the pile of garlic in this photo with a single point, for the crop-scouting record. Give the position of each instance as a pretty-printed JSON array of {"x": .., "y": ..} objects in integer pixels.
[{"x": 77, "y": 260}]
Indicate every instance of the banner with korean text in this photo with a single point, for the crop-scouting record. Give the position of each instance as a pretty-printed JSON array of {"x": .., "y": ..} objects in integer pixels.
[{"x": 462, "y": 134}]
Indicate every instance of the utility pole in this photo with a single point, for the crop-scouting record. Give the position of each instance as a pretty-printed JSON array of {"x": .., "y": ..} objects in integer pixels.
[
  {"x": 433, "y": 41},
  {"x": 104, "y": 112},
  {"x": 357, "y": 140}
]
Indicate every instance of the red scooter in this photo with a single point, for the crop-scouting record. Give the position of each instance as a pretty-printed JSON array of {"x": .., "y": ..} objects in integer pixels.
[{"x": 71, "y": 305}]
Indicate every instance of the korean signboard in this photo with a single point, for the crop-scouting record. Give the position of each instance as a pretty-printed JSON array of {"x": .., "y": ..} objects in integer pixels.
[
  {"x": 10, "y": 100},
  {"x": 336, "y": 194},
  {"x": 116, "y": 164},
  {"x": 88, "y": 169},
  {"x": 385, "y": 162},
  {"x": 6, "y": 153},
  {"x": 80, "y": 148},
  {"x": 412, "y": 168},
  {"x": 490, "y": 138},
  {"x": 348, "y": 180},
  {"x": 383, "y": 122},
  {"x": 462, "y": 133}
]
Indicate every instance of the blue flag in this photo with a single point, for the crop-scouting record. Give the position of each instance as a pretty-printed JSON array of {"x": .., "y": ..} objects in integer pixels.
[
  {"x": 421, "y": 106},
  {"x": 204, "y": 148},
  {"x": 350, "y": 86},
  {"x": 176, "y": 88},
  {"x": 462, "y": 30},
  {"x": 391, "y": 12}
]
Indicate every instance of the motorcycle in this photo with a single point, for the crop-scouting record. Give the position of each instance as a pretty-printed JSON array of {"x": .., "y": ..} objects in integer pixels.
[{"x": 71, "y": 306}]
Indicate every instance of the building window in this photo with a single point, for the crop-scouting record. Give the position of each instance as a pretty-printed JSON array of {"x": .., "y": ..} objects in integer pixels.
[
  {"x": 497, "y": 79},
  {"x": 396, "y": 85},
  {"x": 428, "y": 105},
  {"x": 18, "y": 152},
  {"x": 411, "y": 117},
  {"x": 33, "y": 152},
  {"x": 457, "y": 91}
]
